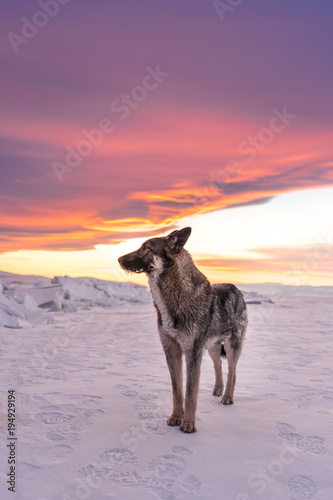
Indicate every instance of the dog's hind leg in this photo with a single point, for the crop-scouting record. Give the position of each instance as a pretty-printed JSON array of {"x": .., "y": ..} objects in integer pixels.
[
  {"x": 233, "y": 354},
  {"x": 215, "y": 354},
  {"x": 173, "y": 354}
]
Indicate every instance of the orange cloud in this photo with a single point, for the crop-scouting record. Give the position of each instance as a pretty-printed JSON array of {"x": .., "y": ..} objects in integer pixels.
[{"x": 141, "y": 180}]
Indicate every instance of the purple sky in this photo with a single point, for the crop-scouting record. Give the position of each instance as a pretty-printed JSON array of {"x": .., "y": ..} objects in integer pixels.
[{"x": 222, "y": 80}]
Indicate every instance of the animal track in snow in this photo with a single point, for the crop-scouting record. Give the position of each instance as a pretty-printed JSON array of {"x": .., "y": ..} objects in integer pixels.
[
  {"x": 157, "y": 429},
  {"x": 61, "y": 435},
  {"x": 90, "y": 470},
  {"x": 286, "y": 431},
  {"x": 304, "y": 402},
  {"x": 302, "y": 486},
  {"x": 145, "y": 406},
  {"x": 119, "y": 456},
  {"x": 309, "y": 444},
  {"x": 126, "y": 478},
  {"x": 120, "y": 386},
  {"x": 119, "y": 466},
  {"x": 54, "y": 417},
  {"x": 130, "y": 394},
  {"x": 147, "y": 415},
  {"x": 168, "y": 465},
  {"x": 312, "y": 445},
  {"x": 147, "y": 397},
  {"x": 191, "y": 484},
  {"x": 162, "y": 487}
]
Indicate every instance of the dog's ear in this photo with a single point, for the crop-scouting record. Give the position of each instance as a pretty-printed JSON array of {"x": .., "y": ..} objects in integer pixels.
[{"x": 177, "y": 239}]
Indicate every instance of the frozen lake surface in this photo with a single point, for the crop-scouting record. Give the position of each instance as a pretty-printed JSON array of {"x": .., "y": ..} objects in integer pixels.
[{"x": 92, "y": 395}]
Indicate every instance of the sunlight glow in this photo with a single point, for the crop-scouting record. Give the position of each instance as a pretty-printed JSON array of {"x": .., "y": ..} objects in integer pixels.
[{"x": 258, "y": 243}]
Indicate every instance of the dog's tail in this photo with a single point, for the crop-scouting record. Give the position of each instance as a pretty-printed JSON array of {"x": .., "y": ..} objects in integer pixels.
[{"x": 223, "y": 353}]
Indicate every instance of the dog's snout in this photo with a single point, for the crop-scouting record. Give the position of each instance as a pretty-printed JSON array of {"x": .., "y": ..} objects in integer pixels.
[
  {"x": 131, "y": 263},
  {"x": 123, "y": 261}
]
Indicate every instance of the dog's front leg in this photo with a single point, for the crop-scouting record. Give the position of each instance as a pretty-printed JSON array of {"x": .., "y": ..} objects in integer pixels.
[
  {"x": 173, "y": 354},
  {"x": 193, "y": 365}
]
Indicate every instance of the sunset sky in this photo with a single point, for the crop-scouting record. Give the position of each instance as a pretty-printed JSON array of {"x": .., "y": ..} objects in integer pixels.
[{"x": 121, "y": 120}]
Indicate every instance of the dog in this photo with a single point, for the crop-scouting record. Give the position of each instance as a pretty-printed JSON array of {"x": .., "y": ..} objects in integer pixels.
[{"x": 192, "y": 316}]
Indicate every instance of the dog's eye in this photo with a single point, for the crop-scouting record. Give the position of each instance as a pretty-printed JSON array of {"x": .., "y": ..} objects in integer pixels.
[{"x": 145, "y": 250}]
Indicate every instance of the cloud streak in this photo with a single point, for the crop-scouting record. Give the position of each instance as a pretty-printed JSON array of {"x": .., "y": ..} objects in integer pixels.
[{"x": 113, "y": 193}]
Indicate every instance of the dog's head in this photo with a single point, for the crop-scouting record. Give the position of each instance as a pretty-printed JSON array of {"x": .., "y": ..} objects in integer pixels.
[{"x": 155, "y": 253}]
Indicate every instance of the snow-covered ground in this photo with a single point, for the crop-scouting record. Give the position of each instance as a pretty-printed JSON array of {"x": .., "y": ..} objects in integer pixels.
[{"x": 92, "y": 394}]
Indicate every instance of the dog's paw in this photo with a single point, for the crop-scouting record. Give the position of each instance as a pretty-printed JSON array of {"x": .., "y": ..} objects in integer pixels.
[
  {"x": 217, "y": 391},
  {"x": 173, "y": 420},
  {"x": 227, "y": 400},
  {"x": 188, "y": 426}
]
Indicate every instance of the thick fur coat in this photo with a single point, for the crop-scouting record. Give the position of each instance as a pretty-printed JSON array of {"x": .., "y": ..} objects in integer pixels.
[{"x": 193, "y": 315}]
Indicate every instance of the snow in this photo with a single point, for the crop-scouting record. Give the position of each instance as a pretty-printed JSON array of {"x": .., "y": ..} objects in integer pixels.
[
  {"x": 93, "y": 393},
  {"x": 23, "y": 297}
]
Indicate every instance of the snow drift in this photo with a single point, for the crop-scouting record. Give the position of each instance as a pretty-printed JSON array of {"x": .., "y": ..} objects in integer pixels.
[{"x": 25, "y": 300}]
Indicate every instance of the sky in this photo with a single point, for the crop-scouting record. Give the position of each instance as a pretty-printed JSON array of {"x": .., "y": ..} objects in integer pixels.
[{"x": 125, "y": 120}]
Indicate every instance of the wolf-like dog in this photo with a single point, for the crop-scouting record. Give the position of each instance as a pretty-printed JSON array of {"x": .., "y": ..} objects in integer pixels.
[{"x": 192, "y": 315}]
